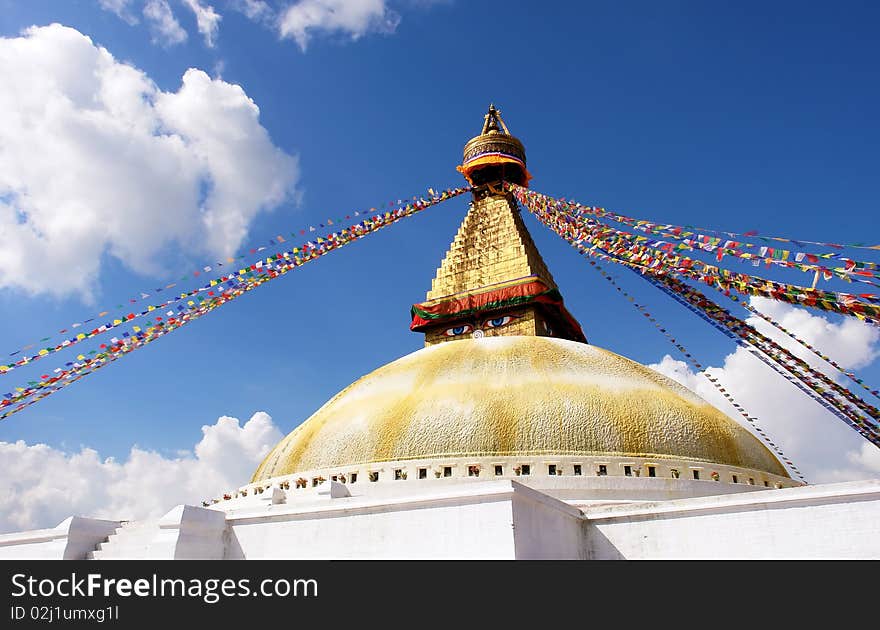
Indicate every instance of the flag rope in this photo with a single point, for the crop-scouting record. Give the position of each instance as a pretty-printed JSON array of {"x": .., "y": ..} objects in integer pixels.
[
  {"x": 122, "y": 317},
  {"x": 610, "y": 240},
  {"x": 851, "y": 375},
  {"x": 698, "y": 367},
  {"x": 843, "y": 411},
  {"x": 237, "y": 284},
  {"x": 677, "y": 266},
  {"x": 703, "y": 241}
]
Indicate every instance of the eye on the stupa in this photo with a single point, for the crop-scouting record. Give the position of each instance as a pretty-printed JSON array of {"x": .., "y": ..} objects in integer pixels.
[
  {"x": 497, "y": 322},
  {"x": 462, "y": 329}
]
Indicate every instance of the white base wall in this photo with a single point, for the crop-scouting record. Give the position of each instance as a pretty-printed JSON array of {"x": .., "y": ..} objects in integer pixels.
[
  {"x": 833, "y": 521},
  {"x": 483, "y": 520},
  {"x": 463, "y": 524}
]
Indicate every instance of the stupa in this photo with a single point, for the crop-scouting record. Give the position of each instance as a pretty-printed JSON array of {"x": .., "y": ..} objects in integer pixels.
[
  {"x": 507, "y": 436},
  {"x": 507, "y": 386}
]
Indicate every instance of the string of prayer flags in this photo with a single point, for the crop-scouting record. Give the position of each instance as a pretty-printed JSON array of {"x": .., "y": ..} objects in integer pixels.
[
  {"x": 766, "y": 344},
  {"x": 865, "y": 432},
  {"x": 815, "y": 351},
  {"x": 818, "y": 386},
  {"x": 226, "y": 289},
  {"x": 848, "y": 272},
  {"x": 707, "y": 270},
  {"x": 851, "y": 271},
  {"x": 686, "y": 232},
  {"x": 205, "y": 268},
  {"x": 641, "y": 245},
  {"x": 607, "y": 239},
  {"x": 699, "y": 368},
  {"x": 843, "y": 404}
]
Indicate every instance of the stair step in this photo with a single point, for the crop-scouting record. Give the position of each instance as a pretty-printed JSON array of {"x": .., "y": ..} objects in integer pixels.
[{"x": 130, "y": 540}]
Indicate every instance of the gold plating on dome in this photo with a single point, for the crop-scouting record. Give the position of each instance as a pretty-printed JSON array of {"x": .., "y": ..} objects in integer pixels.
[{"x": 514, "y": 396}]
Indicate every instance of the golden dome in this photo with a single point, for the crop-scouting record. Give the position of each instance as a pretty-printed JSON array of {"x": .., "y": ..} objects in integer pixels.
[{"x": 514, "y": 396}]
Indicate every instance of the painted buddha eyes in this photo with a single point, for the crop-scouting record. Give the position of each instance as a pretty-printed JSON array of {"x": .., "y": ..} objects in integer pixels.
[
  {"x": 463, "y": 329},
  {"x": 495, "y": 322},
  {"x": 458, "y": 330}
]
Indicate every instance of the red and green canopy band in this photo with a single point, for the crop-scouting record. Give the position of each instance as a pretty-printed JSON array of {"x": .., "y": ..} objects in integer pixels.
[{"x": 529, "y": 290}]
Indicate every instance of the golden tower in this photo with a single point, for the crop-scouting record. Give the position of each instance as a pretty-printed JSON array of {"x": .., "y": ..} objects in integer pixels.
[{"x": 493, "y": 281}]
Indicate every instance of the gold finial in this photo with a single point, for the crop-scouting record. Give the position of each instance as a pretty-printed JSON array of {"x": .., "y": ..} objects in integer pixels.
[
  {"x": 492, "y": 121},
  {"x": 494, "y": 155}
]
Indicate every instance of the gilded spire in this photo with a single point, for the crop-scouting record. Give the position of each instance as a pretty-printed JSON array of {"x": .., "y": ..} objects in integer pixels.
[
  {"x": 492, "y": 246},
  {"x": 493, "y": 280}
]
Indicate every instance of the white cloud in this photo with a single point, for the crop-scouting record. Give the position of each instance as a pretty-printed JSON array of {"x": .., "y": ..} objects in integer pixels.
[
  {"x": 95, "y": 159},
  {"x": 41, "y": 485},
  {"x": 820, "y": 444},
  {"x": 207, "y": 20},
  {"x": 257, "y": 10},
  {"x": 120, "y": 8},
  {"x": 165, "y": 28},
  {"x": 354, "y": 18}
]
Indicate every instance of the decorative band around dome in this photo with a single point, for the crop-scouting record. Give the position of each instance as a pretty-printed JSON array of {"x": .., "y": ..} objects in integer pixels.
[{"x": 494, "y": 143}]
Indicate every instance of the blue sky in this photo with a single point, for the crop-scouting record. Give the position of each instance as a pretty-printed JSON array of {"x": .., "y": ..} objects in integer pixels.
[{"x": 748, "y": 116}]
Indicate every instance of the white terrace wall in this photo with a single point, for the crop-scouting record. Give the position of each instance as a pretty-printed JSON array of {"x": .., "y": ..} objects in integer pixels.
[
  {"x": 839, "y": 521},
  {"x": 470, "y": 522}
]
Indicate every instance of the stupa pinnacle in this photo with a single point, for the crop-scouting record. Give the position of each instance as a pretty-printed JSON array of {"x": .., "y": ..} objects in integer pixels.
[
  {"x": 494, "y": 155},
  {"x": 493, "y": 281}
]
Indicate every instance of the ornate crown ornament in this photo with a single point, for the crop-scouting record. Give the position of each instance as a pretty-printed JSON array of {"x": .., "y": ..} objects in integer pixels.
[{"x": 494, "y": 155}]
